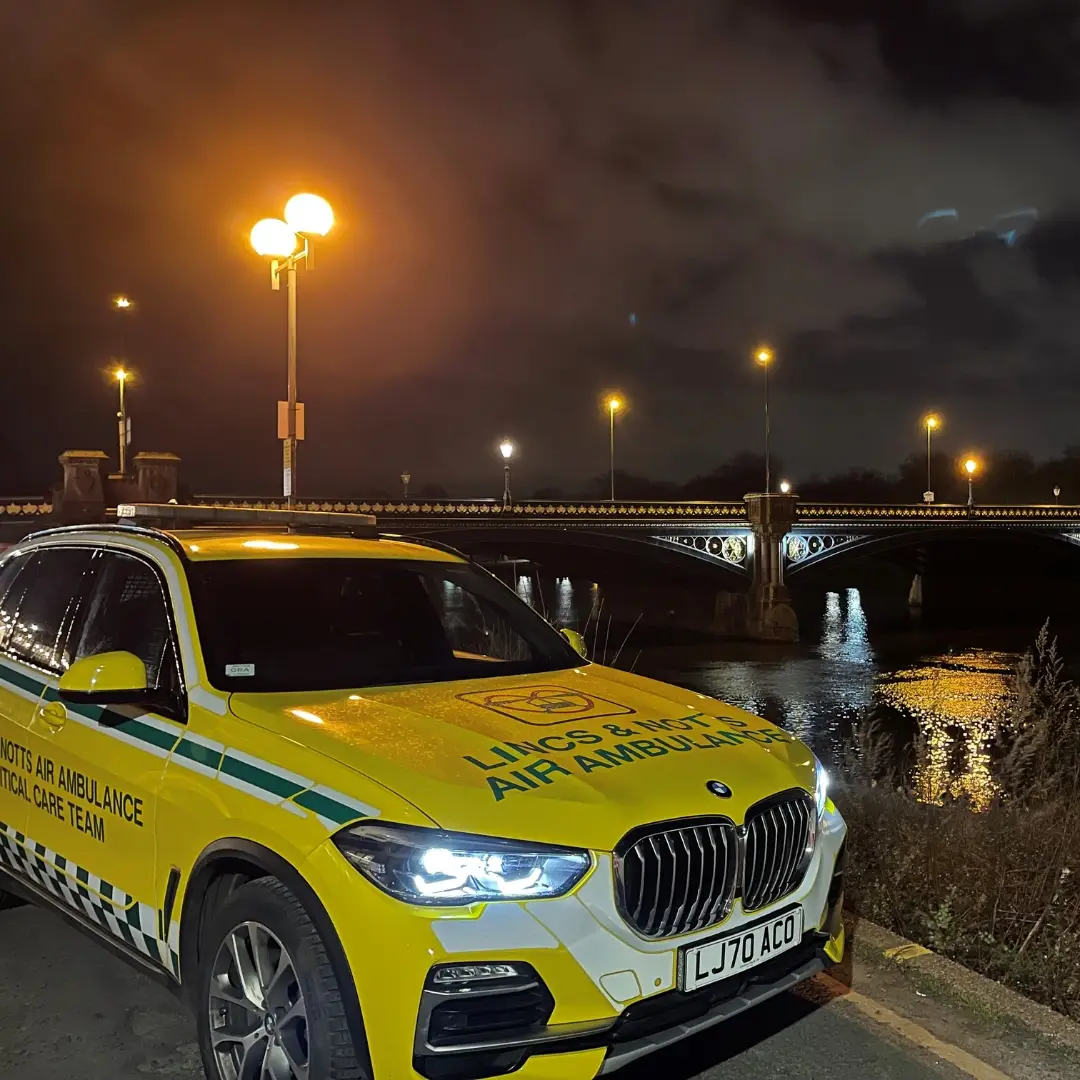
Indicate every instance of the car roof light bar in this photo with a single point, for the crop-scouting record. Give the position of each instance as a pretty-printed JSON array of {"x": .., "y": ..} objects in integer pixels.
[{"x": 176, "y": 516}]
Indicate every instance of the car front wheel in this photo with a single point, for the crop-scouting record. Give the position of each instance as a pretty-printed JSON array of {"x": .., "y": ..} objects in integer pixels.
[{"x": 270, "y": 1005}]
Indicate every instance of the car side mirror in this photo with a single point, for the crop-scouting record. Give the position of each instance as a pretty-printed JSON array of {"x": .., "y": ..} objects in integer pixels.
[
  {"x": 576, "y": 642},
  {"x": 110, "y": 678}
]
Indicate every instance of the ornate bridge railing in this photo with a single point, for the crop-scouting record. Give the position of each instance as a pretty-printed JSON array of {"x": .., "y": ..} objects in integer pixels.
[
  {"x": 490, "y": 508},
  {"x": 26, "y": 507}
]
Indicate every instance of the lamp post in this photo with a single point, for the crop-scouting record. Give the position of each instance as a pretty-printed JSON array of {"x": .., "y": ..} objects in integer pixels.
[
  {"x": 931, "y": 422},
  {"x": 971, "y": 467},
  {"x": 764, "y": 357},
  {"x": 785, "y": 487},
  {"x": 306, "y": 216},
  {"x": 1057, "y": 493},
  {"x": 405, "y": 478},
  {"x": 614, "y": 404},
  {"x": 124, "y": 431},
  {"x": 506, "y": 448}
]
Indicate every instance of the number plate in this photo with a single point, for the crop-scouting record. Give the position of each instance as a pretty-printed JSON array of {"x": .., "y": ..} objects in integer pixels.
[{"x": 738, "y": 951}]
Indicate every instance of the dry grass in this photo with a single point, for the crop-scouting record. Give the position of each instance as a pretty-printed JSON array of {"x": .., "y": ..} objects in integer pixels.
[{"x": 998, "y": 891}]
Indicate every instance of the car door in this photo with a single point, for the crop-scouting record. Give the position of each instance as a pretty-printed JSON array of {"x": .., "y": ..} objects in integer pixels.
[
  {"x": 104, "y": 767},
  {"x": 19, "y": 695}
]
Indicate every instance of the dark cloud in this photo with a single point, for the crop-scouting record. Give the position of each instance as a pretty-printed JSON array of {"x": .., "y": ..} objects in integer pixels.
[{"x": 514, "y": 180}]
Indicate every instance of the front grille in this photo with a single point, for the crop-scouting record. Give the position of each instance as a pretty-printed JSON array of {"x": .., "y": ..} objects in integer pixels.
[
  {"x": 678, "y": 880},
  {"x": 778, "y": 838}
]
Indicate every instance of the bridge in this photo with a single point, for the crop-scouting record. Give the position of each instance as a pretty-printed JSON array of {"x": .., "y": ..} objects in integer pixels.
[{"x": 751, "y": 547}]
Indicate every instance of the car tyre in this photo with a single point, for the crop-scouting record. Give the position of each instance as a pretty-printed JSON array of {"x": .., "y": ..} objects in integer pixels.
[{"x": 268, "y": 1001}]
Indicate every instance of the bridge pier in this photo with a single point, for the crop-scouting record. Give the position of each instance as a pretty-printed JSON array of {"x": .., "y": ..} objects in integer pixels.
[{"x": 770, "y": 616}]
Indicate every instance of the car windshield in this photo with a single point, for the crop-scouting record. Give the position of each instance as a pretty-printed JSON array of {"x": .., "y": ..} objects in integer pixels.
[{"x": 281, "y": 625}]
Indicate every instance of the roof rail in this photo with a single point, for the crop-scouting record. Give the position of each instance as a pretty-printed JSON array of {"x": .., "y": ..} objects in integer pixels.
[
  {"x": 178, "y": 516},
  {"x": 426, "y": 541}
]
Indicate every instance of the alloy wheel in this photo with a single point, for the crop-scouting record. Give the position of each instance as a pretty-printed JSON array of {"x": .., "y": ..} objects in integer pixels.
[{"x": 258, "y": 1019}]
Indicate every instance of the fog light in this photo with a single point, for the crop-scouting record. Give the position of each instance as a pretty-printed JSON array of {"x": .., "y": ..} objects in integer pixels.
[{"x": 451, "y": 975}]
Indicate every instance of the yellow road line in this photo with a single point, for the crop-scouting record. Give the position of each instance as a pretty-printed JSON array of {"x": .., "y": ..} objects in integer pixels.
[{"x": 911, "y": 1031}]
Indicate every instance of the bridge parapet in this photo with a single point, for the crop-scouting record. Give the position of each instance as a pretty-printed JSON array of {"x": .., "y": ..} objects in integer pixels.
[{"x": 490, "y": 508}]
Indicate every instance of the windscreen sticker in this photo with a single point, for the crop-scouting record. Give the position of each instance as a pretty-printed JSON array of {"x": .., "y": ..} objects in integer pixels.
[
  {"x": 239, "y": 671},
  {"x": 543, "y": 706},
  {"x": 533, "y": 765}
]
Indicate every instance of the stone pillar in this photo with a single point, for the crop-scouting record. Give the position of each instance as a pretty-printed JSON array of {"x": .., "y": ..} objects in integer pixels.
[
  {"x": 81, "y": 496},
  {"x": 771, "y": 616},
  {"x": 156, "y": 476}
]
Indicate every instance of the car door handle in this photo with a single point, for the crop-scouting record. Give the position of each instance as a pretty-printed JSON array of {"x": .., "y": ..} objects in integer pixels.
[{"x": 54, "y": 714}]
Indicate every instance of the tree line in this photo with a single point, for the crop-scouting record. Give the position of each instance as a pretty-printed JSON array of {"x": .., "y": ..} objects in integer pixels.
[{"x": 1009, "y": 476}]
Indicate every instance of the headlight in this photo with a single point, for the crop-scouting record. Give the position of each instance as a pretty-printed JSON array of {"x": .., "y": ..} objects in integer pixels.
[
  {"x": 821, "y": 793},
  {"x": 426, "y": 866}
]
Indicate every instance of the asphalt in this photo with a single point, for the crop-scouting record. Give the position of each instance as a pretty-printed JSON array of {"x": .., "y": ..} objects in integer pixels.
[{"x": 70, "y": 1011}]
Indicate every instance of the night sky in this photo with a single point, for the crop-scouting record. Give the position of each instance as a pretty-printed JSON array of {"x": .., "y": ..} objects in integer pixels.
[{"x": 537, "y": 202}]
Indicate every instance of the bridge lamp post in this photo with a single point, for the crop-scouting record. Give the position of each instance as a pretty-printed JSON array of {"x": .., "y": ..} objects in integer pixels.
[
  {"x": 785, "y": 487},
  {"x": 1057, "y": 493},
  {"x": 405, "y": 478},
  {"x": 123, "y": 424},
  {"x": 931, "y": 422},
  {"x": 614, "y": 404},
  {"x": 306, "y": 216},
  {"x": 764, "y": 357},
  {"x": 506, "y": 448},
  {"x": 971, "y": 467}
]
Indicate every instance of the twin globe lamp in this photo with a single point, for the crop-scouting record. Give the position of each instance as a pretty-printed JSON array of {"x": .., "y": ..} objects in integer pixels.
[{"x": 305, "y": 214}]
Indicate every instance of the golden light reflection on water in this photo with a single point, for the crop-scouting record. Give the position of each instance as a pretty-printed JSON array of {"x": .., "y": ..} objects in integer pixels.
[{"x": 957, "y": 703}]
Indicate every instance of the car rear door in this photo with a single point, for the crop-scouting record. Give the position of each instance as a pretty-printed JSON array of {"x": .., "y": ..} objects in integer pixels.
[
  {"x": 38, "y": 609},
  {"x": 19, "y": 694}
]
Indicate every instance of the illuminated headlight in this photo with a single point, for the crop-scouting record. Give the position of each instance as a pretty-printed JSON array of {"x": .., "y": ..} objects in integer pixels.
[
  {"x": 426, "y": 866},
  {"x": 821, "y": 794}
]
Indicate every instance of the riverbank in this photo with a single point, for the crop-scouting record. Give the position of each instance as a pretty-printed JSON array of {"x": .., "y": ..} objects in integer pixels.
[
  {"x": 995, "y": 891},
  {"x": 987, "y": 874}
]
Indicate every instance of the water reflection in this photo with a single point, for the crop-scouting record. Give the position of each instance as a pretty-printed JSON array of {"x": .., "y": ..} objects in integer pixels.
[
  {"x": 844, "y": 635},
  {"x": 957, "y": 703},
  {"x": 944, "y": 705}
]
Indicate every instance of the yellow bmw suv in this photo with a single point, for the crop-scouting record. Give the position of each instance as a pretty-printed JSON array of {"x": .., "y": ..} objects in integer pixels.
[{"x": 373, "y": 818}]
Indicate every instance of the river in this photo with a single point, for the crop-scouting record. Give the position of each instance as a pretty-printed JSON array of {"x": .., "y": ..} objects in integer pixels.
[{"x": 939, "y": 690}]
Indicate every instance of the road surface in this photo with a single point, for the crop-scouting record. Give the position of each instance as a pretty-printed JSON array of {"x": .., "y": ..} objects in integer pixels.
[{"x": 69, "y": 1010}]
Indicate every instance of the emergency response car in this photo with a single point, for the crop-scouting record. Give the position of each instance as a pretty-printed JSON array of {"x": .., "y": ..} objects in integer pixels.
[{"x": 373, "y": 817}]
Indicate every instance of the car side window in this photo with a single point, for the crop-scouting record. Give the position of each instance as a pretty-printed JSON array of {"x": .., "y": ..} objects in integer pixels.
[
  {"x": 8, "y": 612},
  {"x": 127, "y": 612},
  {"x": 42, "y": 604}
]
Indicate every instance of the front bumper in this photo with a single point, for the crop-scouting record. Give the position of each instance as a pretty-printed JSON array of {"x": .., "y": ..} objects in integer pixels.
[{"x": 613, "y": 996}]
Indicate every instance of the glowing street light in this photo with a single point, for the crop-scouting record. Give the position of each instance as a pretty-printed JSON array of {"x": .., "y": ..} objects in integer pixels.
[
  {"x": 931, "y": 422},
  {"x": 763, "y": 357},
  {"x": 785, "y": 487},
  {"x": 506, "y": 448},
  {"x": 123, "y": 424},
  {"x": 286, "y": 244},
  {"x": 122, "y": 303},
  {"x": 614, "y": 404},
  {"x": 971, "y": 467}
]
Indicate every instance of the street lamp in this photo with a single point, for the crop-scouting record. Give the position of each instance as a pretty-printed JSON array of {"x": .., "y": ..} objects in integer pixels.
[
  {"x": 405, "y": 478},
  {"x": 614, "y": 404},
  {"x": 931, "y": 422},
  {"x": 123, "y": 425},
  {"x": 306, "y": 216},
  {"x": 785, "y": 487},
  {"x": 971, "y": 467},
  {"x": 763, "y": 357},
  {"x": 121, "y": 303},
  {"x": 506, "y": 448},
  {"x": 1057, "y": 492}
]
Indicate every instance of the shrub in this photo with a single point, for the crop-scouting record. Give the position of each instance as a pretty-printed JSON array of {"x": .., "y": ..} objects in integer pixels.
[{"x": 998, "y": 891}]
